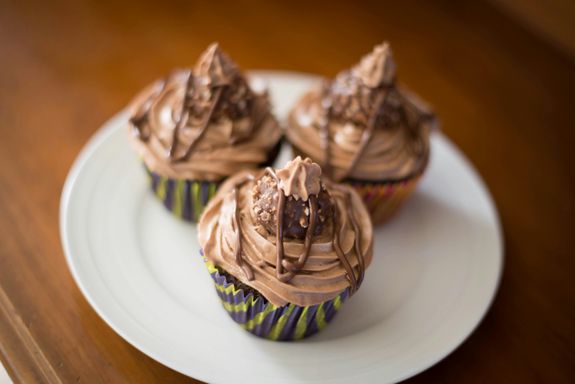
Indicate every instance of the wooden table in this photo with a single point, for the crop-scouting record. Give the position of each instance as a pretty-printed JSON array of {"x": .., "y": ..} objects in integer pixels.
[{"x": 504, "y": 96}]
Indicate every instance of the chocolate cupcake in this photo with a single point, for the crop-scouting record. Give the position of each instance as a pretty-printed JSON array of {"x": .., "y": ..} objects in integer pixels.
[
  {"x": 198, "y": 126},
  {"x": 367, "y": 131},
  {"x": 285, "y": 248}
]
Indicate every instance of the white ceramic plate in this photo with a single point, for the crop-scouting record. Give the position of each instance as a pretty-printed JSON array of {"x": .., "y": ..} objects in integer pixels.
[{"x": 435, "y": 272}]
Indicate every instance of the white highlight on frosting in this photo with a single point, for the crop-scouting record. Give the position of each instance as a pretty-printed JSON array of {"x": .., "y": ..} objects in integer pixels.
[
  {"x": 258, "y": 84},
  {"x": 165, "y": 115},
  {"x": 304, "y": 119}
]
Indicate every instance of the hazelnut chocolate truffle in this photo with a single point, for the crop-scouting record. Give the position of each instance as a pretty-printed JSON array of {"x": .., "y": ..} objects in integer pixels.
[
  {"x": 285, "y": 248},
  {"x": 366, "y": 130},
  {"x": 196, "y": 127}
]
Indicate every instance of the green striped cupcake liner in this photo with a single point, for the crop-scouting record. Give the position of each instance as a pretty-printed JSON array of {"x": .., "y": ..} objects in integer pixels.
[
  {"x": 186, "y": 199},
  {"x": 260, "y": 317}
]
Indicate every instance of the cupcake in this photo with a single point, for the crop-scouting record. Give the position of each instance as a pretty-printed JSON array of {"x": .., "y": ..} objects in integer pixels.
[
  {"x": 285, "y": 248},
  {"x": 367, "y": 131},
  {"x": 196, "y": 127}
]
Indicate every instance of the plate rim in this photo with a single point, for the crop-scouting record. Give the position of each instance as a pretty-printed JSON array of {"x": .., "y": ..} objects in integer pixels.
[{"x": 109, "y": 127}]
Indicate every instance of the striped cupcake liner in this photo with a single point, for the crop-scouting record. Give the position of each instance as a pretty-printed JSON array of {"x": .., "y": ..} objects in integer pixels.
[
  {"x": 383, "y": 200},
  {"x": 186, "y": 199},
  {"x": 260, "y": 317}
]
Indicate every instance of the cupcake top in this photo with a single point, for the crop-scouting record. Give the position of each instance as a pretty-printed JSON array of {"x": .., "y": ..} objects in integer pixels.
[
  {"x": 204, "y": 123},
  {"x": 288, "y": 233},
  {"x": 362, "y": 125}
]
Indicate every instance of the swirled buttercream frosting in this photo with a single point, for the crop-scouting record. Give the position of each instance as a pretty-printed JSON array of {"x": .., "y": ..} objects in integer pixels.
[
  {"x": 289, "y": 234},
  {"x": 204, "y": 123},
  {"x": 362, "y": 125}
]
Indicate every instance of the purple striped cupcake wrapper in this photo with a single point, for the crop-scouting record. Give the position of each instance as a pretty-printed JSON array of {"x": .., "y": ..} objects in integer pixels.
[
  {"x": 261, "y": 318},
  {"x": 186, "y": 199}
]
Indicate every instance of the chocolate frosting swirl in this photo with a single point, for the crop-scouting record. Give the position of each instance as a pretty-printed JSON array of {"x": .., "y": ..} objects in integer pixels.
[
  {"x": 303, "y": 272},
  {"x": 362, "y": 125},
  {"x": 203, "y": 124},
  {"x": 300, "y": 178}
]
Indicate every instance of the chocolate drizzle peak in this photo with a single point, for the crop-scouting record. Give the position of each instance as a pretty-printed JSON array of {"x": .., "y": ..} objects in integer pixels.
[
  {"x": 214, "y": 89},
  {"x": 319, "y": 208},
  {"x": 366, "y": 96},
  {"x": 214, "y": 73}
]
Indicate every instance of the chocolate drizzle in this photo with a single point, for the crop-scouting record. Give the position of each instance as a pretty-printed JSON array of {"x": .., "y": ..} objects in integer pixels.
[
  {"x": 184, "y": 114},
  {"x": 324, "y": 130},
  {"x": 280, "y": 237},
  {"x": 203, "y": 127},
  {"x": 376, "y": 120},
  {"x": 354, "y": 281},
  {"x": 365, "y": 96},
  {"x": 342, "y": 259},
  {"x": 368, "y": 131},
  {"x": 287, "y": 269},
  {"x": 138, "y": 123},
  {"x": 291, "y": 267},
  {"x": 235, "y": 219},
  {"x": 294, "y": 267},
  {"x": 213, "y": 90},
  {"x": 357, "y": 242},
  {"x": 141, "y": 119}
]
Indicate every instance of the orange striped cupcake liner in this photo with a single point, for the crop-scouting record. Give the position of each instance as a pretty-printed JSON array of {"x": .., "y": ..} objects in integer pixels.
[{"x": 383, "y": 200}]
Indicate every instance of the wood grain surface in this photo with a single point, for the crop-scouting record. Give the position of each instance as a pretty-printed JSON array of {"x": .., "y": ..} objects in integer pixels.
[{"x": 504, "y": 97}]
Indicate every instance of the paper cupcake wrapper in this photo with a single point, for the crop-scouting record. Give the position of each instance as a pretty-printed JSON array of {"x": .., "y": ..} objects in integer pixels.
[
  {"x": 186, "y": 199},
  {"x": 261, "y": 318},
  {"x": 384, "y": 199}
]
